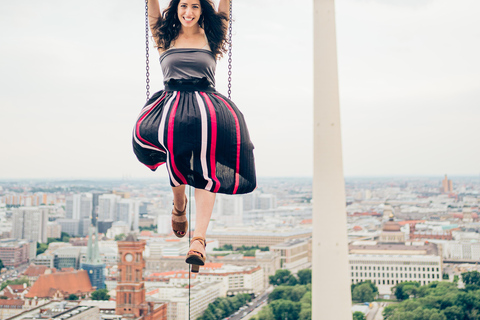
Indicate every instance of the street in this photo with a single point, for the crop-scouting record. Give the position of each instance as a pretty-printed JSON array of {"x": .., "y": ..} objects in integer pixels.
[{"x": 252, "y": 308}]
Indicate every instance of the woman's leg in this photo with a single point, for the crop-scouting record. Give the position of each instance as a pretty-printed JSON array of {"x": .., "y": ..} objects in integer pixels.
[
  {"x": 179, "y": 197},
  {"x": 179, "y": 204},
  {"x": 204, "y": 201}
]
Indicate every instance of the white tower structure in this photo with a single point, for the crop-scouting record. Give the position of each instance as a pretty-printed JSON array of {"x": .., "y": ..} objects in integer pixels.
[{"x": 330, "y": 277}]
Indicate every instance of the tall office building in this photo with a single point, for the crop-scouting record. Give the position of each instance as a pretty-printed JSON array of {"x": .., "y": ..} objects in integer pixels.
[
  {"x": 128, "y": 211},
  {"x": 107, "y": 207},
  {"x": 78, "y": 206},
  {"x": 229, "y": 209},
  {"x": 266, "y": 201},
  {"x": 30, "y": 223},
  {"x": 447, "y": 186},
  {"x": 95, "y": 200},
  {"x": 74, "y": 227},
  {"x": 249, "y": 201}
]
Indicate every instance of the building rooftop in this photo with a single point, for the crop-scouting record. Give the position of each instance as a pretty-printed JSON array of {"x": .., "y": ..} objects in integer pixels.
[
  {"x": 270, "y": 233},
  {"x": 49, "y": 310},
  {"x": 47, "y": 285},
  {"x": 416, "y": 248},
  {"x": 35, "y": 271},
  {"x": 290, "y": 243},
  {"x": 229, "y": 269},
  {"x": 11, "y": 302}
]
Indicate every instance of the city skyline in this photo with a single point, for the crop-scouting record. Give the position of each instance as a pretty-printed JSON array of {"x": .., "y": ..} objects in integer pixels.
[
  {"x": 74, "y": 82},
  {"x": 399, "y": 230}
]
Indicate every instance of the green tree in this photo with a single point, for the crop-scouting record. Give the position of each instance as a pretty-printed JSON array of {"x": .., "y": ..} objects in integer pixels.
[
  {"x": 100, "y": 294},
  {"x": 297, "y": 293},
  {"x": 223, "y": 307},
  {"x": 285, "y": 309},
  {"x": 305, "y": 313},
  {"x": 357, "y": 315},
  {"x": 306, "y": 299},
  {"x": 455, "y": 279},
  {"x": 265, "y": 314},
  {"x": 454, "y": 313},
  {"x": 72, "y": 297},
  {"x": 411, "y": 289},
  {"x": 294, "y": 293},
  {"x": 228, "y": 305},
  {"x": 152, "y": 227},
  {"x": 41, "y": 248},
  {"x": 16, "y": 281},
  {"x": 50, "y": 240},
  {"x": 282, "y": 276},
  {"x": 1, "y": 265},
  {"x": 403, "y": 290},
  {"x": 304, "y": 276},
  {"x": 292, "y": 281},
  {"x": 471, "y": 277},
  {"x": 65, "y": 237},
  {"x": 119, "y": 237},
  {"x": 388, "y": 311},
  {"x": 369, "y": 282},
  {"x": 363, "y": 293},
  {"x": 208, "y": 315},
  {"x": 436, "y": 301}
]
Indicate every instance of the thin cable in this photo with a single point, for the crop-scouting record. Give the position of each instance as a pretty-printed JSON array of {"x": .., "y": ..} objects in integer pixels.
[
  {"x": 230, "y": 24},
  {"x": 147, "y": 54}
]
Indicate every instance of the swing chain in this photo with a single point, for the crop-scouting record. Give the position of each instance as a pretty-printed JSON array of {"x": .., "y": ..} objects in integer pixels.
[
  {"x": 230, "y": 22},
  {"x": 147, "y": 55}
]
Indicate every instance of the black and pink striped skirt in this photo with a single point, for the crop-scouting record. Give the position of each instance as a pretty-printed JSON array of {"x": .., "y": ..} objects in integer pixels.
[{"x": 200, "y": 135}]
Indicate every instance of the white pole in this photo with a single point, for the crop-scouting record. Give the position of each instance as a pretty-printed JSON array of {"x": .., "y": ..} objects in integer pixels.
[{"x": 331, "y": 298}]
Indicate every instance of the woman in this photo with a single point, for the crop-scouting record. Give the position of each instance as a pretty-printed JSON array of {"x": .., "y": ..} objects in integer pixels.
[{"x": 200, "y": 134}]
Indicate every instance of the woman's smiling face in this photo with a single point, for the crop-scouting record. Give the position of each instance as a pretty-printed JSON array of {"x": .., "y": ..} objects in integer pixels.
[{"x": 189, "y": 11}]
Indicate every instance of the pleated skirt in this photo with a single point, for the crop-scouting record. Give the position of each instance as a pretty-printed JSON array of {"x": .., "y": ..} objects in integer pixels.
[{"x": 202, "y": 138}]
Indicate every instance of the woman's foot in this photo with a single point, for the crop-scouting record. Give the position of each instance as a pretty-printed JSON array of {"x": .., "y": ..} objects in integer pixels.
[
  {"x": 179, "y": 220},
  {"x": 196, "y": 254}
]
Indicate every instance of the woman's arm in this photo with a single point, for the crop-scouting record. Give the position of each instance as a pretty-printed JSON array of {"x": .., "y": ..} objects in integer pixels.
[
  {"x": 224, "y": 6},
  {"x": 153, "y": 14}
]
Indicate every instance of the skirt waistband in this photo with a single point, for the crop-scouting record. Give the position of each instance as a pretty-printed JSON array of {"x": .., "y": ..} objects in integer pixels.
[{"x": 194, "y": 84}]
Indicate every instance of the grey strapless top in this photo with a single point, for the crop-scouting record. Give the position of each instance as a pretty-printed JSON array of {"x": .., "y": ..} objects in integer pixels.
[{"x": 185, "y": 63}]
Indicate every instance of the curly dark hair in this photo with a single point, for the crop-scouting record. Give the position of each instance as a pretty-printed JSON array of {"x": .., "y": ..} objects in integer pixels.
[{"x": 168, "y": 26}]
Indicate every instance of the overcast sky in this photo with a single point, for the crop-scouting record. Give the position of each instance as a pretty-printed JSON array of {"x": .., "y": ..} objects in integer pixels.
[{"x": 72, "y": 81}]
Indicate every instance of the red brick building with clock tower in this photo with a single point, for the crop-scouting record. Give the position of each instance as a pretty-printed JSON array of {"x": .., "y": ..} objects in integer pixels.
[{"x": 131, "y": 303}]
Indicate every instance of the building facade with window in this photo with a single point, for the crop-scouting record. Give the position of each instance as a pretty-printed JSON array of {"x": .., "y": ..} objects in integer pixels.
[
  {"x": 295, "y": 254},
  {"x": 385, "y": 271}
]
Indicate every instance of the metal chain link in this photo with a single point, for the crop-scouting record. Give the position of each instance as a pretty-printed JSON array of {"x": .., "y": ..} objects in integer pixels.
[
  {"x": 147, "y": 55},
  {"x": 230, "y": 22}
]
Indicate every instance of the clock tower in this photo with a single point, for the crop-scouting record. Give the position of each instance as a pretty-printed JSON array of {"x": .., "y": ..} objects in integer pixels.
[{"x": 130, "y": 285}]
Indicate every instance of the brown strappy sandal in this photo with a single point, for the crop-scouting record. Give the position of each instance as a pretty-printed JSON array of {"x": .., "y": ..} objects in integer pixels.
[
  {"x": 194, "y": 257},
  {"x": 180, "y": 226}
]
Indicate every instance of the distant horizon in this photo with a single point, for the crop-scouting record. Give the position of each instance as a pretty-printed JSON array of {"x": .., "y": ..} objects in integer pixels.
[{"x": 396, "y": 176}]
